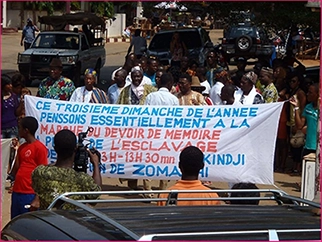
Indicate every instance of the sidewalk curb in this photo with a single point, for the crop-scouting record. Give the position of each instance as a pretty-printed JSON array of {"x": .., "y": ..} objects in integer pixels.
[
  {"x": 117, "y": 39},
  {"x": 9, "y": 30}
]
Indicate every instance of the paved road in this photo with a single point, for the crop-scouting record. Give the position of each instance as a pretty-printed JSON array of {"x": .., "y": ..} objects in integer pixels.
[{"x": 115, "y": 58}]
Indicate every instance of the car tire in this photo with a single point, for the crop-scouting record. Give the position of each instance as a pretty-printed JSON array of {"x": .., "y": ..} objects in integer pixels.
[{"x": 244, "y": 43}]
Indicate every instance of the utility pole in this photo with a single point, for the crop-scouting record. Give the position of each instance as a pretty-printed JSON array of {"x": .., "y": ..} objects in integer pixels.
[
  {"x": 4, "y": 14},
  {"x": 67, "y": 11},
  {"x": 139, "y": 9}
]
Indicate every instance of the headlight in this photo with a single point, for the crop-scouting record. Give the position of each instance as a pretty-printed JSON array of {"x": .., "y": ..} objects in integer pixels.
[
  {"x": 23, "y": 58},
  {"x": 68, "y": 59}
]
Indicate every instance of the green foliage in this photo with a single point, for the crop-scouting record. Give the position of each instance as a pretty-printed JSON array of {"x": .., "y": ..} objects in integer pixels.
[
  {"x": 39, "y": 5},
  {"x": 75, "y": 5},
  {"x": 104, "y": 9},
  {"x": 59, "y": 6}
]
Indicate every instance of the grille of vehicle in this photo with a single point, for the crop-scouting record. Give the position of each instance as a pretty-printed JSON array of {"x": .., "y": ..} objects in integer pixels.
[
  {"x": 44, "y": 59},
  {"x": 40, "y": 65}
]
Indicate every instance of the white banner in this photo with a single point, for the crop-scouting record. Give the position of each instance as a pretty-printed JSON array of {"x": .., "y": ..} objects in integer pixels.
[{"x": 145, "y": 141}]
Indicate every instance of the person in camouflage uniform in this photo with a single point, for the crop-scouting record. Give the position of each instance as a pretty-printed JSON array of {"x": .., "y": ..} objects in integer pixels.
[{"x": 50, "y": 181}]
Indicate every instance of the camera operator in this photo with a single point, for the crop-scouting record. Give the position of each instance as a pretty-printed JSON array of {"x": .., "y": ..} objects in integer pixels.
[{"x": 53, "y": 180}]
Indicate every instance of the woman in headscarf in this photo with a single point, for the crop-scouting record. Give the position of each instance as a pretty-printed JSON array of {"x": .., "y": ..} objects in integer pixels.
[
  {"x": 249, "y": 94},
  {"x": 89, "y": 93},
  {"x": 135, "y": 94}
]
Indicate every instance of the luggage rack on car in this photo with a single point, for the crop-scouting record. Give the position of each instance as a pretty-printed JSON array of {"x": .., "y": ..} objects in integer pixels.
[
  {"x": 263, "y": 222},
  {"x": 280, "y": 197}
]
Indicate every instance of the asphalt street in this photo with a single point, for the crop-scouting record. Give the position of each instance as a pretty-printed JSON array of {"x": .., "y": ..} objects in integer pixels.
[{"x": 115, "y": 57}]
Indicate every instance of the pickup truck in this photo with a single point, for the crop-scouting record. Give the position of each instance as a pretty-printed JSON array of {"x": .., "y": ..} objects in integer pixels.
[{"x": 73, "y": 49}]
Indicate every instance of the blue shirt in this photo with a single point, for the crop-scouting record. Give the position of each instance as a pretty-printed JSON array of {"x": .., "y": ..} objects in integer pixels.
[
  {"x": 152, "y": 78},
  {"x": 211, "y": 75},
  {"x": 311, "y": 115},
  {"x": 114, "y": 91},
  {"x": 29, "y": 33}
]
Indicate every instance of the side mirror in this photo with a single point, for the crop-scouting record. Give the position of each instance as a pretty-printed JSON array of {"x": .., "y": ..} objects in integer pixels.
[{"x": 84, "y": 47}]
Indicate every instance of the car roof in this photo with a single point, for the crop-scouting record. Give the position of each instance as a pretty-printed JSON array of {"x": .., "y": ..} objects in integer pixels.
[
  {"x": 183, "y": 29},
  {"x": 246, "y": 222},
  {"x": 153, "y": 220},
  {"x": 138, "y": 222},
  {"x": 61, "y": 32}
]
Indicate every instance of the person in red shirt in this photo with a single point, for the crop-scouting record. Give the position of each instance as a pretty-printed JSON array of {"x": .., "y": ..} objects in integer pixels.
[{"x": 30, "y": 154}]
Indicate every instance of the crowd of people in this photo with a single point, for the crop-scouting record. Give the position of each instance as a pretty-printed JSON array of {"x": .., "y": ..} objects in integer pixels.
[{"x": 143, "y": 81}]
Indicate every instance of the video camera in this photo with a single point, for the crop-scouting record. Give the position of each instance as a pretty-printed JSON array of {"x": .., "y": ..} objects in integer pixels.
[{"x": 81, "y": 156}]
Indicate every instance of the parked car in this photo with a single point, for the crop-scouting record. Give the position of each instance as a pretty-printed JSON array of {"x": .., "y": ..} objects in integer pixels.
[
  {"x": 312, "y": 73},
  {"x": 196, "y": 39},
  {"x": 248, "y": 41},
  {"x": 283, "y": 218},
  {"x": 74, "y": 49}
]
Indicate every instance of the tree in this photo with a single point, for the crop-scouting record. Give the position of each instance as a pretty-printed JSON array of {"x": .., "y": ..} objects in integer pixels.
[
  {"x": 105, "y": 9},
  {"x": 36, "y": 6}
]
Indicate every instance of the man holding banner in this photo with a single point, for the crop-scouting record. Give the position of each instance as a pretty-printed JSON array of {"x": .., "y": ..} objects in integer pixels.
[
  {"x": 162, "y": 97},
  {"x": 135, "y": 94}
]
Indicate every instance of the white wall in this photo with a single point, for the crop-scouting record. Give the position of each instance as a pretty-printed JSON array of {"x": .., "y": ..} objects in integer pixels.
[
  {"x": 116, "y": 28},
  {"x": 113, "y": 28},
  {"x": 14, "y": 19},
  {"x": 4, "y": 14}
]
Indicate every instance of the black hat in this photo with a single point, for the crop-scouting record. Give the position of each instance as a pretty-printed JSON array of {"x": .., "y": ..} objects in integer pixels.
[
  {"x": 5, "y": 80},
  {"x": 56, "y": 62}
]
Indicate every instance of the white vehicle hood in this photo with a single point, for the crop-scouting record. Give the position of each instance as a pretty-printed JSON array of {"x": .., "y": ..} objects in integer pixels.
[{"x": 44, "y": 51}]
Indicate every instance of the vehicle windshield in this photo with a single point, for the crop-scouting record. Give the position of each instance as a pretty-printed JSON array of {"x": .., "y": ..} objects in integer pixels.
[
  {"x": 240, "y": 31},
  {"x": 58, "y": 41},
  {"x": 162, "y": 41}
]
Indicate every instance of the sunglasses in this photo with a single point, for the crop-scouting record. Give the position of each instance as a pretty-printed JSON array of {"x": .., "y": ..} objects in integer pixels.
[
  {"x": 266, "y": 68},
  {"x": 292, "y": 81}
]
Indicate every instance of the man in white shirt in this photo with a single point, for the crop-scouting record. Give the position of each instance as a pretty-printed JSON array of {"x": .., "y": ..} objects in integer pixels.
[
  {"x": 114, "y": 90},
  {"x": 222, "y": 78},
  {"x": 215, "y": 93},
  {"x": 162, "y": 97},
  {"x": 228, "y": 95},
  {"x": 201, "y": 74}
]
